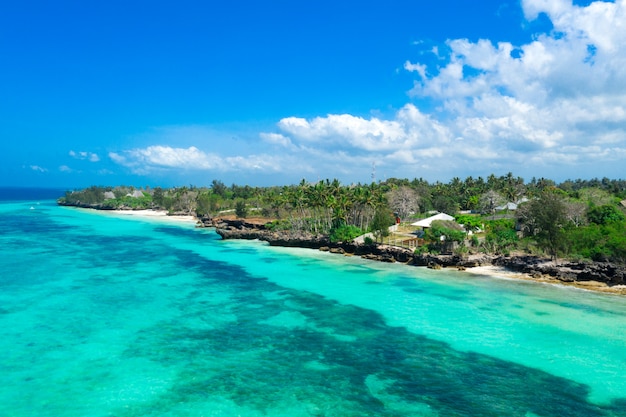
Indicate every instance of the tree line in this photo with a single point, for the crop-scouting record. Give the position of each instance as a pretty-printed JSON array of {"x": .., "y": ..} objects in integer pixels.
[{"x": 576, "y": 218}]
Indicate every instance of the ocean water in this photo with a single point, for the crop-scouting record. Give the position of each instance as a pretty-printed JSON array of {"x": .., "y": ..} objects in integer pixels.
[{"x": 104, "y": 315}]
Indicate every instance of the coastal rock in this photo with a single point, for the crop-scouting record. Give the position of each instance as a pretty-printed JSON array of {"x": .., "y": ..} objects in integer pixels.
[
  {"x": 387, "y": 258},
  {"x": 451, "y": 260},
  {"x": 537, "y": 267},
  {"x": 533, "y": 266},
  {"x": 205, "y": 221},
  {"x": 240, "y": 229}
]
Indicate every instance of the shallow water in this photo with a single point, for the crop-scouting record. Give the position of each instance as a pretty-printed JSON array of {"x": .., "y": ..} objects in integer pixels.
[{"x": 112, "y": 316}]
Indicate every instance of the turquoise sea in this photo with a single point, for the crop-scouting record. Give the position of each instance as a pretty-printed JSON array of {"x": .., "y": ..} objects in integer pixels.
[{"x": 105, "y": 315}]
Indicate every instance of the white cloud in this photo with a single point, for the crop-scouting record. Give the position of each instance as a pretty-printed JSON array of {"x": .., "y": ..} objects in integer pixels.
[
  {"x": 558, "y": 100},
  {"x": 255, "y": 163},
  {"x": 556, "y": 104},
  {"x": 409, "y": 129},
  {"x": 165, "y": 159},
  {"x": 419, "y": 68},
  {"x": 37, "y": 168},
  {"x": 276, "y": 139},
  {"x": 564, "y": 94},
  {"x": 89, "y": 156},
  {"x": 65, "y": 168},
  {"x": 143, "y": 160}
]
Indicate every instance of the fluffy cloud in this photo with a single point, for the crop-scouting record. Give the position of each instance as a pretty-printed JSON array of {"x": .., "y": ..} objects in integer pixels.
[
  {"x": 558, "y": 101},
  {"x": 37, "y": 168},
  {"x": 276, "y": 139},
  {"x": 153, "y": 158},
  {"x": 89, "y": 156},
  {"x": 554, "y": 105},
  {"x": 410, "y": 129},
  {"x": 565, "y": 87},
  {"x": 165, "y": 158}
]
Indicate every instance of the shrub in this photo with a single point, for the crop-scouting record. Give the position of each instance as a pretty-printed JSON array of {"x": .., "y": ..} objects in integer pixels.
[
  {"x": 241, "y": 210},
  {"x": 277, "y": 225},
  {"x": 605, "y": 214},
  {"x": 420, "y": 250},
  {"x": 344, "y": 233},
  {"x": 469, "y": 221},
  {"x": 383, "y": 218},
  {"x": 447, "y": 229},
  {"x": 501, "y": 236},
  {"x": 461, "y": 250},
  {"x": 599, "y": 242}
]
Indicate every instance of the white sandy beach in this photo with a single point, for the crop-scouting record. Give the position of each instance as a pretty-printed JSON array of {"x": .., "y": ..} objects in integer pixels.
[
  {"x": 502, "y": 273},
  {"x": 153, "y": 214},
  {"x": 496, "y": 271}
]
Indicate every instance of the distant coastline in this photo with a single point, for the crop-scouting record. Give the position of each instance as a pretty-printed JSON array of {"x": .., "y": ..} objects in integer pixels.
[
  {"x": 592, "y": 276},
  {"x": 331, "y": 225}
]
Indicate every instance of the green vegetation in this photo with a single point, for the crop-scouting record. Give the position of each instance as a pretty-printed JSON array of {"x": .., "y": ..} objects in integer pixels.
[
  {"x": 469, "y": 221},
  {"x": 345, "y": 233},
  {"x": 448, "y": 231},
  {"x": 241, "y": 210},
  {"x": 445, "y": 236},
  {"x": 581, "y": 219},
  {"x": 500, "y": 237},
  {"x": 383, "y": 218}
]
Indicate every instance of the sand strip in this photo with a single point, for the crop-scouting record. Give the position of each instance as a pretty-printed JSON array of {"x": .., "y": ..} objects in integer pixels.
[
  {"x": 499, "y": 272},
  {"x": 152, "y": 214}
]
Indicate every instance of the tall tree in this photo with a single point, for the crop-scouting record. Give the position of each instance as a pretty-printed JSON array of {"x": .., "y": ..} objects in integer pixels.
[
  {"x": 489, "y": 201},
  {"x": 545, "y": 218},
  {"x": 219, "y": 188},
  {"x": 404, "y": 201},
  {"x": 383, "y": 218}
]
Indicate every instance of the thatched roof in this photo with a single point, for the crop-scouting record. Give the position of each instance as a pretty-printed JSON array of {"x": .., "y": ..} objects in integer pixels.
[{"x": 135, "y": 194}]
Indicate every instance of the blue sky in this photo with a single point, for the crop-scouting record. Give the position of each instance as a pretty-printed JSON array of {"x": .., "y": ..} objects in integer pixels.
[{"x": 269, "y": 93}]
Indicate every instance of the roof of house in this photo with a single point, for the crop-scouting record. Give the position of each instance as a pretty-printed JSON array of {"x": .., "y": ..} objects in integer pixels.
[
  {"x": 511, "y": 205},
  {"x": 427, "y": 221},
  {"x": 507, "y": 206},
  {"x": 135, "y": 194}
]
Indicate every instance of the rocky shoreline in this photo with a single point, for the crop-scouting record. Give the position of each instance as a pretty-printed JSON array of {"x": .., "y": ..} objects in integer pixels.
[{"x": 605, "y": 277}]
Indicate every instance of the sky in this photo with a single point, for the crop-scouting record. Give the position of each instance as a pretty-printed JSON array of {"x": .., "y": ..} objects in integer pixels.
[{"x": 272, "y": 92}]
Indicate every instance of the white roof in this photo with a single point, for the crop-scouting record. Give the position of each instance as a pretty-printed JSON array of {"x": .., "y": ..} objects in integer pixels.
[
  {"x": 507, "y": 206},
  {"x": 427, "y": 221}
]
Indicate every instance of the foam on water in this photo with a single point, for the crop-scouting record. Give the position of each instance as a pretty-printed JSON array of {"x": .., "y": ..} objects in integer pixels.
[{"x": 109, "y": 316}]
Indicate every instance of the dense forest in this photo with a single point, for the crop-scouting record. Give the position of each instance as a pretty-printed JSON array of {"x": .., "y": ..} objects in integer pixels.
[{"x": 576, "y": 219}]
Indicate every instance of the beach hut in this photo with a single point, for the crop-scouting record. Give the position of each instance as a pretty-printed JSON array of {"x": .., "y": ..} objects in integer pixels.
[{"x": 135, "y": 194}]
